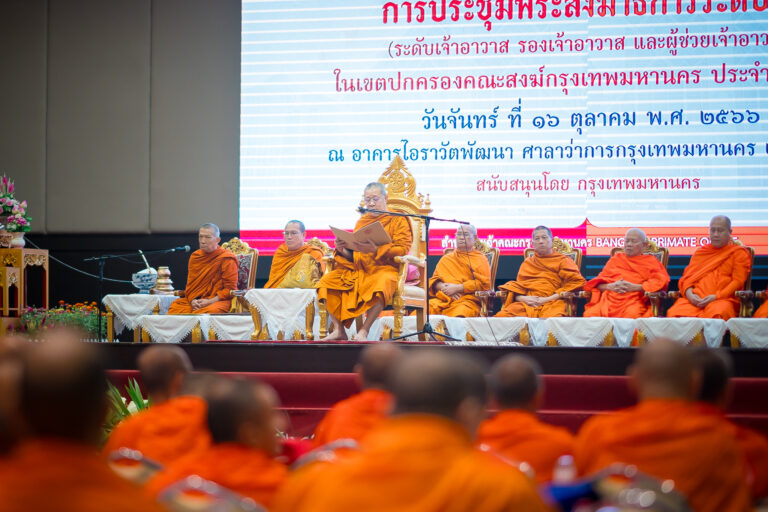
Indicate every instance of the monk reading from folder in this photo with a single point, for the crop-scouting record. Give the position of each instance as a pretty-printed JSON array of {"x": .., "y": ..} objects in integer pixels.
[
  {"x": 541, "y": 281},
  {"x": 619, "y": 290},
  {"x": 715, "y": 272},
  {"x": 364, "y": 280},
  {"x": 294, "y": 261},
  {"x": 211, "y": 275},
  {"x": 458, "y": 276}
]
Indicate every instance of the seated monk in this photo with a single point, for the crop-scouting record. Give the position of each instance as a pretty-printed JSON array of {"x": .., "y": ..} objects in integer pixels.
[
  {"x": 715, "y": 273},
  {"x": 515, "y": 432},
  {"x": 762, "y": 311},
  {"x": 294, "y": 261},
  {"x": 619, "y": 290},
  {"x": 541, "y": 281},
  {"x": 365, "y": 280},
  {"x": 211, "y": 275},
  {"x": 458, "y": 275},
  {"x": 355, "y": 416},
  {"x": 243, "y": 422},
  {"x": 174, "y": 425},
  {"x": 62, "y": 406},
  {"x": 422, "y": 458},
  {"x": 667, "y": 437},
  {"x": 715, "y": 371}
]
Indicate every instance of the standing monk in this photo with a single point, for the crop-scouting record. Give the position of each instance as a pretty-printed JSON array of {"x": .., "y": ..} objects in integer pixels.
[
  {"x": 666, "y": 436},
  {"x": 211, "y": 275},
  {"x": 295, "y": 262},
  {"x": 515, "y": 431},
  {"x": 458, "y": 276},
  {"x": 715, "y": 272},
  {"x": 619, "y": 290},
  {"x": 541, "y": 281},
  {"x": 355, "y": 416},
  {"x": 365, "y": 280}
]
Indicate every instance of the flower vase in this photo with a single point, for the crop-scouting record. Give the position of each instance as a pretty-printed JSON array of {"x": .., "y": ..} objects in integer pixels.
[{"x": 17, "y": 242}]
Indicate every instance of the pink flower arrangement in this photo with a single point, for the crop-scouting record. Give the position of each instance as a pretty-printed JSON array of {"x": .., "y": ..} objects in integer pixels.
[{"x": 18, "y": 220}]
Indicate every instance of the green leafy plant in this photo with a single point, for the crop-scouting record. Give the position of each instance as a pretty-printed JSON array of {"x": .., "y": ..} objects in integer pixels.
[
  {"x": 119, "y": 408},
  {"x": 84, "y": 316}
]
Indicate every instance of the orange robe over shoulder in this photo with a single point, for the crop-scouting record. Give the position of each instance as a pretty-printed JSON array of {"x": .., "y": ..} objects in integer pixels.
[
  {"x": 470, "y": 269},
  {"x": 209, "y": 275},
  {"x": 762, "y": 311},
  {"x": 284, "y": 260},
  {"x": 542, "y": 277},
  {"x": 713, "y": 271},
  {"x": 164, "y": 432},
  {"x": 521, "y": 437},
  {"x": 354, "y": 417},
  {"x": 670, "y": 439},
  {"x": 411, "y": 463},
  {"x": 352, "y": 287},
  {"x": 247, "y": 471},
  {"x": 643, "y": 269},
  {"x": 52, "y": 474},
  {"x": 755, "y": 448}
]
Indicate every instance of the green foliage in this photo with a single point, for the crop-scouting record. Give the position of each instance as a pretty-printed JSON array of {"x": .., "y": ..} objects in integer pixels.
[
  {"x": 81, "y": 316},
  {"x": 119, "y": 409}
]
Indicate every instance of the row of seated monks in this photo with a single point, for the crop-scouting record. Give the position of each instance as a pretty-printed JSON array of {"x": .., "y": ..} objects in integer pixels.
[
  {"x": 430, "y": 431},
  {"x": 364, "y": 280}
]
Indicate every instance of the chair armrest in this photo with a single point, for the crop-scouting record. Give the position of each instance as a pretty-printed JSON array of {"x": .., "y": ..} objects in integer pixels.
[
  {"x": 237, "y": 293},
  {"x": 761, "y": 294},
  {"x": 584, "y": 295},
  {"x": 179, "y": 293},
  {"x": 671, "y": 295},
  {"x": 745, "y": 294},
  {"x": 413, "y": 260}
]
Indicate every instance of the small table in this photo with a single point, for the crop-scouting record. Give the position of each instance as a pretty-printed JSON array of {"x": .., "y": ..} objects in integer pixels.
[
  {"x": 126, "y": 311},
  {"x": 22, "y": 259}
]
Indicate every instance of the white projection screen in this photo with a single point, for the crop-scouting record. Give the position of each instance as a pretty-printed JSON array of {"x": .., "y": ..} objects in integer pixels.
[{"x": 588, "y": 116}]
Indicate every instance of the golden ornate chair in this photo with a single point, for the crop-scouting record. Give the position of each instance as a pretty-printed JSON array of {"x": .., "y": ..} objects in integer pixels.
[
  {"x": 247, "y": 262},
  {"x": 402, "y": 197},
  {"x": 261, "y": 329}
]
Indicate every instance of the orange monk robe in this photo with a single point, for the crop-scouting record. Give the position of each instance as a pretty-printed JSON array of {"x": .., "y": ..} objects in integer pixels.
[
  {"x": 542, "y": 277},
  {"x": 521, "y": 437},
  {"x": 719, "y": 272},
  {"x": 209, "y": 275},
  {"x": 52, "y": 474},
  {"x": 411, "y": 463},
  {"x": 247, "y": 471},
  {"x": 470, "y": 269},
  {"x": 352, "y": 287},
  {"x": 762, "y": 311},
  {"x": 670, "y": 439},
  {"x": 284, "y": 260},
  {"x": 164, "y": 432},
  {"x": 643, "y": 269},
  {"x": 753, "y": 444},
  {"x": 354, "y": 417}
]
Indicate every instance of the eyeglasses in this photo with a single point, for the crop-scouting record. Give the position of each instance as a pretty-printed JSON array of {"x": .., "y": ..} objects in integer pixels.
[
  {"x": 372, "y": 199},
  {"x": 291, "y": 233}
]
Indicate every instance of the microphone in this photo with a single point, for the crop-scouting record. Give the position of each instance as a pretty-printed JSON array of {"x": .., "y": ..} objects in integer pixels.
[
  {"x": 183, "y": 248},
  {"x": 360, "y": 209},
  {"x": 141, "y": 253}
]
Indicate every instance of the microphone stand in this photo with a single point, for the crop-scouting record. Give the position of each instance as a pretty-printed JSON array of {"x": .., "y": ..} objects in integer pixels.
[{"x": 427, "y": 330}]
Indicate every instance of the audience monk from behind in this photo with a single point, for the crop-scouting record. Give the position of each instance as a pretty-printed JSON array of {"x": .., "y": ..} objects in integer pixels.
[
  {"x": 515, "y": 431},
  {"x": 423, "y": 457},
  {"x": 211, "y": 275},
  {"x": 62, "y": 404},
  {"x": 715, "y": 272},
  {"x": 296, "y": 264},
  {"x": 666, "y": 436},
  {"x": 619, "y": 289},
  {"x": 355, "y": 416},
  {"x": 364, "y": 281},
  {"x": 458, "y": 275},
  {"x": 541, "y": 281},
  {"x": 174, "y": 426}
]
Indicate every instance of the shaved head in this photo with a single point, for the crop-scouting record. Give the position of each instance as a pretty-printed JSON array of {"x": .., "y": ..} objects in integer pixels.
[
  {"x": 637, "y": 232},
  {"x": 634, "y": 242},
  {"x": 663, "y": 369},
  {"x": 379, "y": 187},
  {"x": 715, "y": 368},
  {"x": 213, "y": 227},
  {"x": 515, "y": 381},
  {"x": 63, "y": 388},
  {"x": 722, "y": 218},
  {"x": 376, "y": 364},
  {"x": 437, "y": 382},
  {"x": 720, "y": 231},
  {"x": 159, "y": 367}
]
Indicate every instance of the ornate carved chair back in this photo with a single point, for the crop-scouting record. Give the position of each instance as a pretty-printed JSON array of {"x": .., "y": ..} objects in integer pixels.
[
  {"x": 247, "y": 262},
  {"x": 323, "y": 267},
  {"x": 745, "y": 296}
]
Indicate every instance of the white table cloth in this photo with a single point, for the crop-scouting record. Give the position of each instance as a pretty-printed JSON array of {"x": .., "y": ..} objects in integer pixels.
[
  {"x": 454, "y": 327},
  {"x": 495, "y": 330},
  {"x": 231, "y": 327},
  {"x": 752, "y": 332},
  {"x": 282, "y": 309},
  {"x": 128, "y": 309},
  {"x": 579, "y": 332},
  {"x": 173, "y": 328},
  {"x": 683, "y": 329}
]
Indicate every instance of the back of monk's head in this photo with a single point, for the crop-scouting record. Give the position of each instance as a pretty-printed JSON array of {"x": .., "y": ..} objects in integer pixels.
[
  {"x": 163, "y": 369},
  {"x": 515, "y": 383},
  {"x": 242, "y": 411},
  {"x": 63, "y": 388},
  {"x": 376, "y": 364},
  {"x": 663, "y": 369},
  {"x": 715, "y": 368},
  {"x": 11, "y": 365},
  {"x": 440, "y": 383}
]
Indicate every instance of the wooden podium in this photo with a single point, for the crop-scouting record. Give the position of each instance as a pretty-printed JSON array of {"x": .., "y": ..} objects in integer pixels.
[{"x": 14, "y": 264}]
